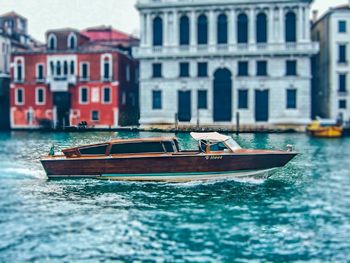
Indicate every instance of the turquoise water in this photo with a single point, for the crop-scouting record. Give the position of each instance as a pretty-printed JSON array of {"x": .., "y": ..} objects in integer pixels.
[{"x": 301, "y": 213}]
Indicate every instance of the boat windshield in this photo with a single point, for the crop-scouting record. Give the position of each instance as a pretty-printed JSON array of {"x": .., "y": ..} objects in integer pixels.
[{"x": 232, "y": 144}]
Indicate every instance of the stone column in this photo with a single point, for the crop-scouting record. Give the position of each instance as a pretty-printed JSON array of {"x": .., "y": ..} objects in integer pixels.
[
  {"x": 271, "y": 25},
  {"x": 149, "y": 30},
  {"x": 176, "y": 28},
  {"x": 143, "y": 28},
  {"x": 232, "y": 27},
  {"x": 193, "y": 29},
  {"x": 300, "y": 24},
  {"x": 281, "y": 25},
  {"x": 212, "y": 28},
  {"x": 307, "y": 24},
  {"x": 252, "y": 26},
  {"x": 166, "y": 28}
]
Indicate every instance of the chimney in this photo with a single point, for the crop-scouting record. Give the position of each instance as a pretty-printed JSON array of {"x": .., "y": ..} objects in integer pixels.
[{"x": 314, "y": 16}]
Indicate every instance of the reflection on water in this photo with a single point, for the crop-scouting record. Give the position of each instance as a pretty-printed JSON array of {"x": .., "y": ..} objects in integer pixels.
[{"x": 301, "y": 213}]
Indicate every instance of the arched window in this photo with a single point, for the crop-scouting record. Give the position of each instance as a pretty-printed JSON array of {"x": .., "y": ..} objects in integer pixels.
[
  {"x": 157, "y": 31},
  {"x": 72, "y": 68},
  {"x": 65, "y": 68},
  {"x": 58, "y": 69},
  {"x": 202, "y": 30},
  {"x": 242, "y": 28},
  {"x": 52, "y": 42},
  {"x": 19, "y": 75},
  {"x": 106, "y": 68},
  {"x": 261, "y": 28},
  {"x": 72, "y": 41},
  {"x": 184, "y": 31},
  {"x": 222, "y": 29},
  {"x": 290, "y": 27}
]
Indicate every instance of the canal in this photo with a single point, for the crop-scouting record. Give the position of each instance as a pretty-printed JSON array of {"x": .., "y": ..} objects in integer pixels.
[{"x": 301, "y": 213}]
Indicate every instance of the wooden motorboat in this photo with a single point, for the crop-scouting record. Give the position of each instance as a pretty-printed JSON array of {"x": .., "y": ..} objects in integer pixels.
[
  {"x": 161, "y": 159},
  {"x": 324, "y": 129}
]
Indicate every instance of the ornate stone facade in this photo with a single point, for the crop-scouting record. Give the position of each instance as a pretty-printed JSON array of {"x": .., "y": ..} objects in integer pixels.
[{"x": 205, "y": 60}]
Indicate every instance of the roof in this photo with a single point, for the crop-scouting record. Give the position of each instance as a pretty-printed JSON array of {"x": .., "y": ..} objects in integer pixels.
[
  {"x": 106, "y": 33},
  {"x": 331, "y": 10},
  {"x": 210, "y": 136},
  {"x": 13, "y": 14}
]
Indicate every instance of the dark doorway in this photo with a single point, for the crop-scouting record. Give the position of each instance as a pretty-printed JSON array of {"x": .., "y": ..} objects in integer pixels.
[
  {"x": 62, "y": 104},
  {"x": 222, "y": 95},
  {"x": 184, "y": 106},
  {"x": 261, "y": 105}
]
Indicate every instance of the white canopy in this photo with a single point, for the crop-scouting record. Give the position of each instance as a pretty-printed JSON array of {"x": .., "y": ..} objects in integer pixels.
[{"x": 210, "y": 136}]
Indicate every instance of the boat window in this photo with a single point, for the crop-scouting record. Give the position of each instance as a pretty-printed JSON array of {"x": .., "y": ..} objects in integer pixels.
[
  {"x": 169, "y": 147},
  {"x": 218, "y": 147},
  {"x": 94, "y": 150},
  {"x": 144, "y": 147},
  {"x": 233, "y": 145}
]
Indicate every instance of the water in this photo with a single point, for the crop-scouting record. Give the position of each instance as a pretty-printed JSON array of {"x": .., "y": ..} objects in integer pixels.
[{"x": 301, "y": 213}]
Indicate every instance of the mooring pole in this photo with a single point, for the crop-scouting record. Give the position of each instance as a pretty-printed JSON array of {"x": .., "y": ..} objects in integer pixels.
[
  {"x": 237, "y": 123},
  {"x": 197, "y": 119},
  {"x": 176, "y": 122}
]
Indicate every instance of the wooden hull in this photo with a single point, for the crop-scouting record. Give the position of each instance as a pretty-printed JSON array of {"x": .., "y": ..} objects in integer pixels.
[{"x": 180, "y": 167}]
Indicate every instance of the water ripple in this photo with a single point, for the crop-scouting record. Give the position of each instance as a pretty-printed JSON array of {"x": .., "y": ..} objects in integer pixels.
[{"x": 301, "y": 214}]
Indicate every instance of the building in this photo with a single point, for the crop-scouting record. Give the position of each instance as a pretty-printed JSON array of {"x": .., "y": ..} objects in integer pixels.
[
  {"x": 204, "y": 61},
  {"x": 15, "y": 27},
  {"x": 71, "y": 80},
  {"x": 5, "y": 53},
  {"x": 331, "y": 65}
]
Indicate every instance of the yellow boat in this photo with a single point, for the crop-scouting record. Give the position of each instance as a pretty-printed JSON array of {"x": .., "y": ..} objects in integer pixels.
[{"x": 324, "y": 129}]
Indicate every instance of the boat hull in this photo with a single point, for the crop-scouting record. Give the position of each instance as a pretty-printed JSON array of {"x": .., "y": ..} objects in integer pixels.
[{"x": 175, "y": 168}]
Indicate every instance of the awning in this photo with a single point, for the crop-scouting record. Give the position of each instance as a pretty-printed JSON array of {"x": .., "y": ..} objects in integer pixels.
[{"x": 210, "y": 136}]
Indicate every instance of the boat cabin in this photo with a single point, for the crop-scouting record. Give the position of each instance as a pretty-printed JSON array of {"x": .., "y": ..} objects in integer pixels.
[
  {"x": 208, "y": 143},
  {"x": 127, "y": 146}
]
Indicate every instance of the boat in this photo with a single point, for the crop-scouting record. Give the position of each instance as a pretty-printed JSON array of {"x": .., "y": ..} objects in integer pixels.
[
  {"x": 161, "y": 160},
  {"x": 324, "y": 129}
]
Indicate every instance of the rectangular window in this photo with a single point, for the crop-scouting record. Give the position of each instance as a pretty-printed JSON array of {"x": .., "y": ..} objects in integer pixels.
[
  {"x": 84, "y": 67},
  {"x": 342, "y": 104},
  {"x": 134, "y": 148},
  {"x": 202, "y": 69},
  {"x": 184, "y": 69},
  {"x": 342, "y": 54},
  {"x": 242, "y": 99},
  {"x": 291, "y": 99},
  {"x": 94, "y": 150},
  {"x": 156, "y": 99},
  {"x": 95, "y": 115},
  {"x": 40, "y": 72},
  {"x": 342, "y": 26},
  {"x": 202, "y": 99},
  {"x": 40, "y": 96},
  {"x": 84, "y": 95},
  {"x": 243, "y": 68},
  {"x": 19, "y": 96},
  {"x": 106, "y": 95},
  {"x": 291, "y": 68},
  {"x": 157, "y": 70},
  {"x": 342, "y": 82},
  {"x": 261, "y": 68}
]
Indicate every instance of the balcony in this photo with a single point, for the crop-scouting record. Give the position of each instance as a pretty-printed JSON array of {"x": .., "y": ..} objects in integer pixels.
[
  {"x": 60, "y": 83},
  {"x": 228, "y": 50},
  {"x": 342, "y": 93}
]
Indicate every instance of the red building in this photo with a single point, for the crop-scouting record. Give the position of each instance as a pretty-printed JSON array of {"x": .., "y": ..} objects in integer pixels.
[{"x": 76, "y": 77}]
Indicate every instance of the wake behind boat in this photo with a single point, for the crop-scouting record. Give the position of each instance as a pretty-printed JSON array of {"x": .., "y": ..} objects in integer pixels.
[{"x": 161, "y": 160}]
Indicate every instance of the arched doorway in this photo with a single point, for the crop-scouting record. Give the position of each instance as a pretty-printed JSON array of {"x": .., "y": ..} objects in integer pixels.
[{"x": 222, "y": 95}]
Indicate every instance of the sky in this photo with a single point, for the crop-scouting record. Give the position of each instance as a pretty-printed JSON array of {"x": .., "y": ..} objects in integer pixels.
[{"x": 43, "y": 15}]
